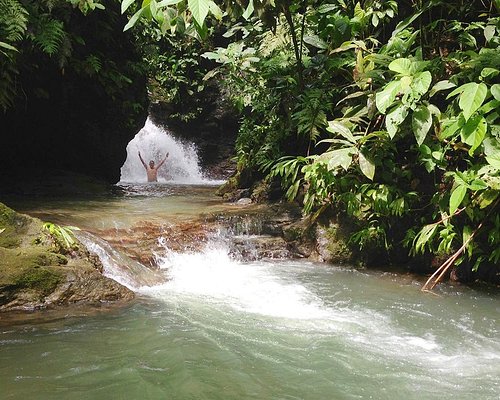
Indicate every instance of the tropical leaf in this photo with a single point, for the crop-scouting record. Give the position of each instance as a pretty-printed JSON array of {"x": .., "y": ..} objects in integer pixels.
[
  {"x": 472, "y": 97},
  {"x": 366, "y": 165},
  {"x": 338, "y": 127},
  {"x": 440, "y": 86},
  {"x": 421, "y": 84},
  {"x": 386, "y": 97},
  {"x": 421, "y": 123},
  {"x": 456, "y": 198},
  {"x": 473, "y": 132},
  {"x": 495, "y": 91},
  {"x": 401, "y": 66},
  {"x": 340, "y": 158},
  {"x": 199, "y": 9},
  {"x": 394, "y": 119}
]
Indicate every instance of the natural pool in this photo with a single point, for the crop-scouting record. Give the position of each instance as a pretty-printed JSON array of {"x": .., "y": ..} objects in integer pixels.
[{"x": 221, "y": 328}]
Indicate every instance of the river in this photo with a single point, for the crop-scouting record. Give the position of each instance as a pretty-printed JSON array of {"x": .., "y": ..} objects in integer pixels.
[{"x": 225, "y": 328}]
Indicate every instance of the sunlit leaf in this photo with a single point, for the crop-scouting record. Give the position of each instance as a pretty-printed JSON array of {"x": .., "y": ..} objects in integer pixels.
[
  {"x": 401, "y": 66},
  {"x": 494, "y": 160},
  {"x": 495, "y": 91},
  {"x": 472, "y": 98},
  {"x": 386, "y": 97},
  {"x": 421, "y": 84},
  {"x": 394, "y": 119},
  {"x": 421, "y": 123},
  {"x": 474, "y": 132},
  {"x": 367, "y": 166},
  {"x": 489, "y": 32},
  {"x": 199, "y": 9},
  {"x": 456, "y": 198},
  {"x": 249, "y": 10},
  {"x": 135, "y": 18},
  {"x": 126, "y": 4},
  {"x": 338, "y": 127},
  {"x": 340, "y": 158},
  {"x": 440, "y": 86}
]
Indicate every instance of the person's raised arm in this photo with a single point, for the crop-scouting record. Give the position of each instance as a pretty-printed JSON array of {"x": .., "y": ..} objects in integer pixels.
[
  {"x": 142, "y": 161},
  {"x": 162, "y": 161}
]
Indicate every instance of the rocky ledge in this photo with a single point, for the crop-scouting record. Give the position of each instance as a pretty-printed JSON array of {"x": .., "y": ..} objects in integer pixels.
[{"x": 37, "y": 271}]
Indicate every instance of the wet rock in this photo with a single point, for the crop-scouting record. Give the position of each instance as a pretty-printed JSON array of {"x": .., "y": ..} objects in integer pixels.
[
  {"x": 331, "y": 244},
  {"x": 35, "y": 273}
]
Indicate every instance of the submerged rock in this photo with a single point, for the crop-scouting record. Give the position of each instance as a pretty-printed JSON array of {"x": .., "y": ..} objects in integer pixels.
[{"x": 36, "y": 272}]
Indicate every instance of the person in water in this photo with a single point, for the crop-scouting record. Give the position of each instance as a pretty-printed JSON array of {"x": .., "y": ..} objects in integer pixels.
[{"x": 151, "y": 169}]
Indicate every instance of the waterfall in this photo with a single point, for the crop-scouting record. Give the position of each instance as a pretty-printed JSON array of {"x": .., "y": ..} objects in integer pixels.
[{"x": 181, "y": 167}]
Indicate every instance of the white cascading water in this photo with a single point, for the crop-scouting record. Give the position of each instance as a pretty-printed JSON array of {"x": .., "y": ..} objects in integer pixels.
[
  {"x": 214, "y": 276},
  {"x": 118, "y": 266},
  {"x": 181, "y": 167}
]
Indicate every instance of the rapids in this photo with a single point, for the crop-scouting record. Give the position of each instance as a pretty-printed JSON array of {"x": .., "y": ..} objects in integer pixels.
[{"x": 209, "y": 326}]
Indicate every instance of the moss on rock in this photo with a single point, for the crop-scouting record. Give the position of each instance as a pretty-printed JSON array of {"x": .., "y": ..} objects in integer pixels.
[{"x": 33, "y": 274}]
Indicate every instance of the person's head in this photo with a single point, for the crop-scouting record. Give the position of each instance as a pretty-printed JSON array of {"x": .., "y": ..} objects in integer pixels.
[{"x": 151, "y": 164}]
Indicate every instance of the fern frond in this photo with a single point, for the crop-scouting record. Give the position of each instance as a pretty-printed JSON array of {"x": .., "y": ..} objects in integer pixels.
[
  {"x": 8, "y": 73},
  {"x": 310, "y": 114},
  {"x": 50, "y": 34},
  {"x": 13, "y": 21}
]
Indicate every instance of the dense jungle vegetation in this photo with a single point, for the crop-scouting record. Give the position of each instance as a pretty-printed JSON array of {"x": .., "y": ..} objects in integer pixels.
[{"x": 385, "y": 113}]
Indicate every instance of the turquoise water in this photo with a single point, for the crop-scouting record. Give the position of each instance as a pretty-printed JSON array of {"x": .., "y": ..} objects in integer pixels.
[{"x": 226, "y": 329}]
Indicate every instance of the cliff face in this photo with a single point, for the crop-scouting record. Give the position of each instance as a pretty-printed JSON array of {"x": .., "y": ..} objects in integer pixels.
[{"x": 77, "y": 113}]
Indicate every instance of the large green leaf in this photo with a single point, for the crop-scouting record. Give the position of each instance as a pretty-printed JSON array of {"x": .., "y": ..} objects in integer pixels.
[
  {"x": 456, "y": 198},
  {"x": 473, "y": 132},
  {"x": 126, "y": 4},
  {"x": 441, "y": 85},
  {"x": 489, "y": 32},
  {"x": 421, "y": 123},
  {"x": 367, "y": 166},
  {"x": 394, "y": 119},
  {"x": 421, "y": 84},
  {"x": 494, "y": 160},
  {"x": 401, "y": 66},
  {"x": 340, "y": 128},
  {"x": 135, "y": 18},
  {"x": 386, "y": 97},
  {"x": 340, "y": 158},
  {"x": 472, "y": 98},
  {"x": 495, "y": 91},
  {"x": 491, "y": 146},
  {"x": 199, "y": 9}
]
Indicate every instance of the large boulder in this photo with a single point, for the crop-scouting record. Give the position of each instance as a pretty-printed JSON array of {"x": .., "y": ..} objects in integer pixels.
[{"x": 37, "y": 272}]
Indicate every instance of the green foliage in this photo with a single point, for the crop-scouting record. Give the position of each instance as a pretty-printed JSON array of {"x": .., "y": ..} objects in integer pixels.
[
  {"x": 49, "y": 34},
  {"x": 63, "y": 236},
  {"x": 13, "y": 25},
  {"x": 410, "y": 121}
]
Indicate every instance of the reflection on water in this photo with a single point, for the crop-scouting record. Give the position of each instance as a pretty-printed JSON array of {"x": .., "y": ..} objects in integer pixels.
[
  {"x": 225, "y": 329},
  {"x": 128, "y": 205}
]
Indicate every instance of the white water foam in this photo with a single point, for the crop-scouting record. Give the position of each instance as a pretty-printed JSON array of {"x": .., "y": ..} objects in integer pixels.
[
  {"x": 181, "y": 167},
  {"x": 260, "y": 289},
  {"x": 213, "y": 276}
]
